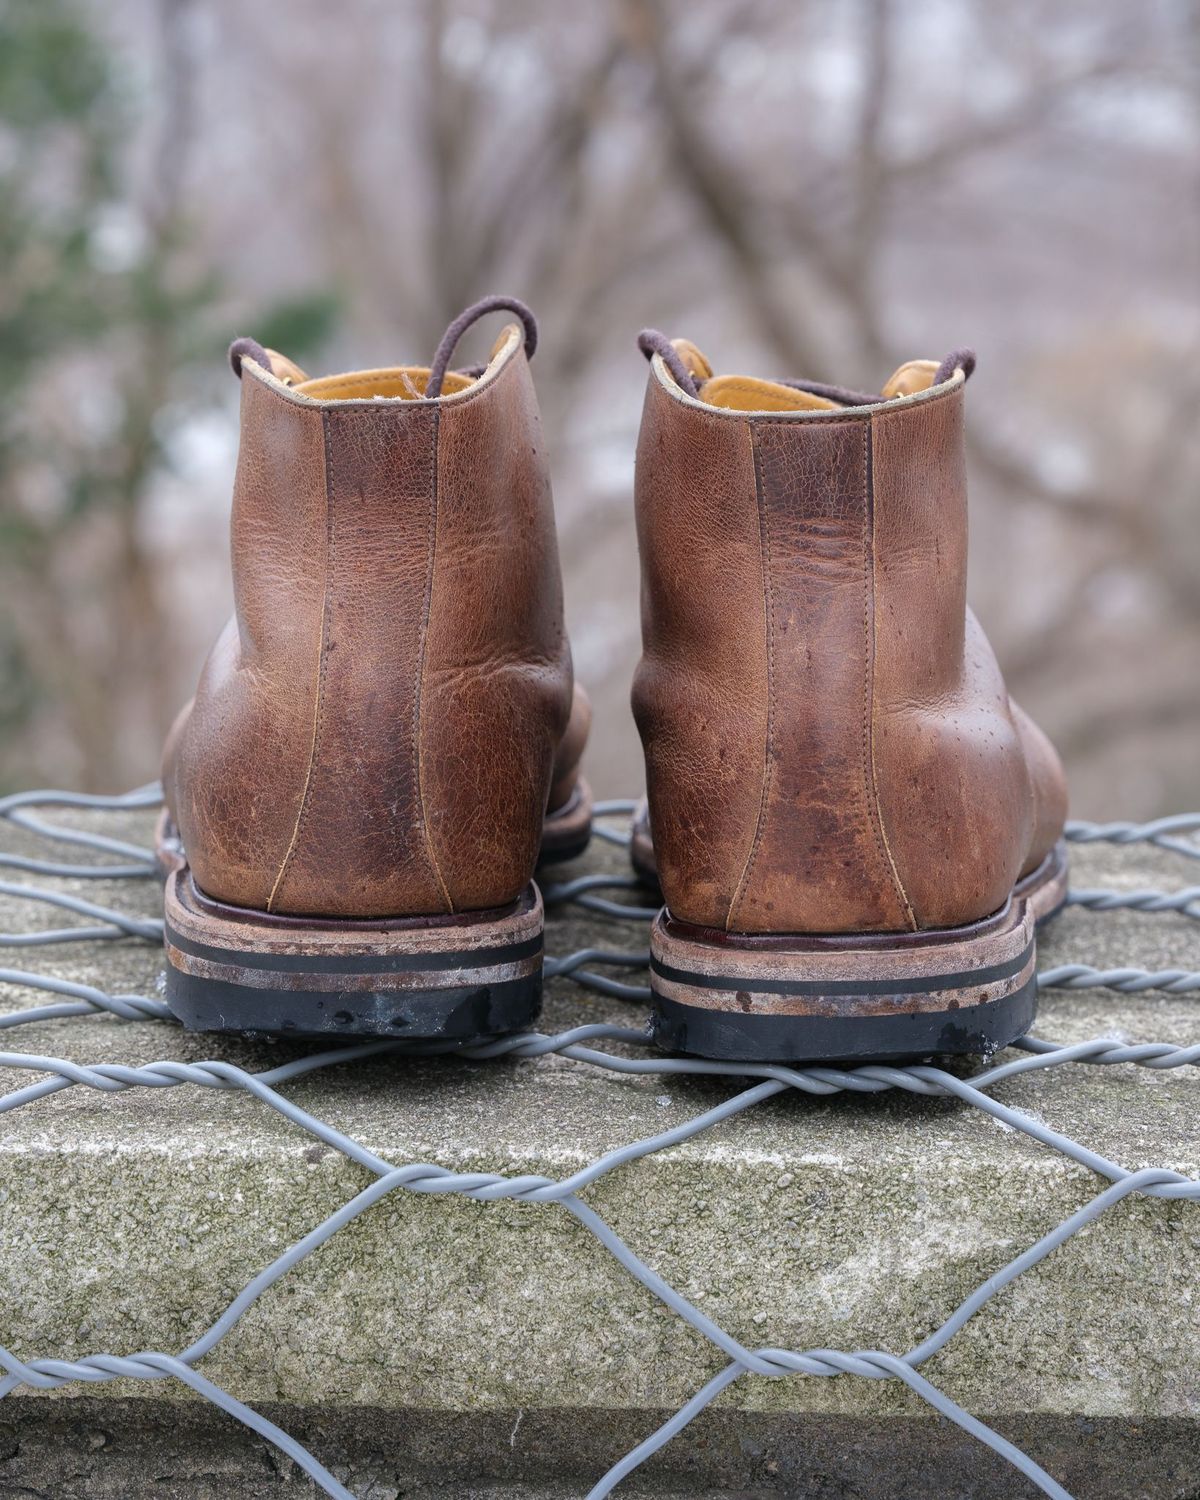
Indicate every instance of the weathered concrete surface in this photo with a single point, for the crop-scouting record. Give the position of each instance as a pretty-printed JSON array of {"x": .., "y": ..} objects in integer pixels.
[{"x": 129, "y": 1221}]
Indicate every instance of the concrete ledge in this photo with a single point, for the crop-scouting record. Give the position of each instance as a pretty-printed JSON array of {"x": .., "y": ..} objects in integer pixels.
[
  {"x": 94, "y": 1448},
  {"x": 129, "y": 1221}
]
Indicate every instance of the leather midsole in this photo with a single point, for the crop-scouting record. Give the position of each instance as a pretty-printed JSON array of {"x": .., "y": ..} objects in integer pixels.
[
  {"x": 975, "y": 965},
  {"x": 240, "y": 947}
]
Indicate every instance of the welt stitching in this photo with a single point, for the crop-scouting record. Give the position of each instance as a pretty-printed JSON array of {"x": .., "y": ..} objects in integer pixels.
[
  {"x": 322, "y": 657},
  {"x": 426, "y": 833},
  {"x": 764, "y": 544},
  {"x": 870, "y": 784}
]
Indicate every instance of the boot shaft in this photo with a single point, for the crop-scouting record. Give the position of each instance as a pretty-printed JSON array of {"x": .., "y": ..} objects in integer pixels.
[
  {"x": 375, "y": 733},
  {"x": 829, "y": 744}
]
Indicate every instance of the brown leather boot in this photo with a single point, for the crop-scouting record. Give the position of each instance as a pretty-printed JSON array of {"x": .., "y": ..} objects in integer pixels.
[
  {"x": 854, "y": 828},
  {"x": 357, "y": 795}
]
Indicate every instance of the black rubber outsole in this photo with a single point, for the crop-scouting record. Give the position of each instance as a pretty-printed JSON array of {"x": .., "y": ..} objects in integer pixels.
[
  {"x": 458, "y": 1016},
  {"x": 426, "y": 981},
  {"x": 904, "y": 1036},
  {"x": 821, "y": 1000}
]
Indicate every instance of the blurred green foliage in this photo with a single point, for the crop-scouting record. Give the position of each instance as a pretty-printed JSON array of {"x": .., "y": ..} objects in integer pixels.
[
  {"x": 58, "y": 117},
  {"x": 295, "y": 325},
  {"x": 90, "y": 275}
]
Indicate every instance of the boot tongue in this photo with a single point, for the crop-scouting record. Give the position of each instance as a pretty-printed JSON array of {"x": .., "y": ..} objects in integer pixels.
[
  {"x": 285, "y": 369},
  {"x": 697, "y": 366},
  {"x": 916, "y": 375}
]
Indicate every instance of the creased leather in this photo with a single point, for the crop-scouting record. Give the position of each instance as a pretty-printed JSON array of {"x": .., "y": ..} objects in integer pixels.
[
  {"x": 819, "y": 857},
  {"x": 878, "y": 777},
  {"x": 953, "y": 779},
  {"x": 373, "y": 734},
  {"x": 235, "y": 768},
  {"x": 360, "y": 844},
  {"x": 496, "y": 685},
  {"x": 699, "y": 693}
]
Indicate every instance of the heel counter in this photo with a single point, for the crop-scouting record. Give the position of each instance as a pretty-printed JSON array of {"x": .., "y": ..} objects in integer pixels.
[
  {"x": 360, "y": 845},
  {"x": 892, "y": 791},
  {"x": 821, "y": 860}
]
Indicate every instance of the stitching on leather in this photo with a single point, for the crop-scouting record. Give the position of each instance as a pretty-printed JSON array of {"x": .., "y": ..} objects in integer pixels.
[
  {"x": 870, "y": 777},
  {"x": 764, "y": 552},
  {"x": 430, "y": 852},
  {"x": 319, "y": 705}
]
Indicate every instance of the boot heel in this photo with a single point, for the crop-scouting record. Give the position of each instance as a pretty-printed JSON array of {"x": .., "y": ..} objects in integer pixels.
[
  {"x": 846, "y": 998},
  {"x": 567, "y": 831},
  {"x": 431, "y": 979}
]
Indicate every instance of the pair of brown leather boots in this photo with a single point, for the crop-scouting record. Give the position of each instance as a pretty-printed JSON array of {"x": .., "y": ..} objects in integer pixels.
[{"x": 854, "y": 829}]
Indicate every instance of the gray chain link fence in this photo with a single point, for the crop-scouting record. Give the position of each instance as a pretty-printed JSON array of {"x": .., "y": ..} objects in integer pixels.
[{"x": 617, "y": 899}]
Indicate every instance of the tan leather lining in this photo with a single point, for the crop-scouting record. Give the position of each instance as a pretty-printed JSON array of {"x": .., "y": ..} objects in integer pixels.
[
  {"x": 936, "y": 393},
  {"x": 698, "y": 367},
  {"x": 406, "y": 382},
  {"x": 285, "y": 369},
  {"x": 916, "y": 375},
  {"x": 745, "y": 393}
]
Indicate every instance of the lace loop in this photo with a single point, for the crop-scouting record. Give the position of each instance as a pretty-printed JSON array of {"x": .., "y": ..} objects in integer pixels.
[
  {"x": 245, "y": 348},
  {"x": 957, "y": 359},
  {"x": 470, "y": 315},
  {"x": 651, "y": 342}
]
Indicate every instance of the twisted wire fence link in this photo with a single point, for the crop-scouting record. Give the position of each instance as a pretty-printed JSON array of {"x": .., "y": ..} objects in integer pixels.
[
  {"x": 756, "y": 1083},
  {"x": 1168, "y": 833},
  {"x": 1185, "y": 901}
]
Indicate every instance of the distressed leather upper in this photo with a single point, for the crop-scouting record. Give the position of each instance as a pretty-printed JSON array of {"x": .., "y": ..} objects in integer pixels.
[
  {"x": 829, "y": 743},
  {"x": 375, "y": 731}
]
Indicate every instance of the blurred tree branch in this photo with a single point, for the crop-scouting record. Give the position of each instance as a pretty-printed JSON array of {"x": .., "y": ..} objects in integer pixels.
[
  {"x": 720, "y": 194},
  {"x": 1043, "y": 99},
  {"x": 614, "y": 165},
  {"x": 761, "y": 233}
]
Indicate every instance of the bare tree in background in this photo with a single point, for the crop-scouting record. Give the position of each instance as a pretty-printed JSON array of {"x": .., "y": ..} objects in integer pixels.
[
  {"x": 812, "y": 186},
  {"x": 843, "y": 246}
]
